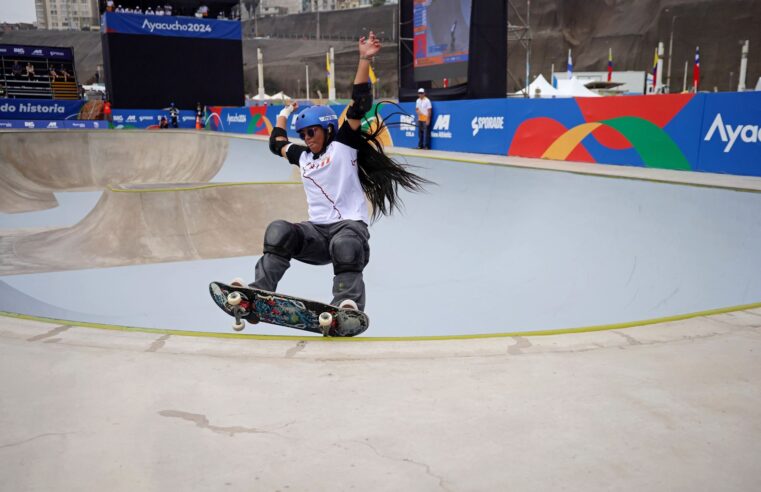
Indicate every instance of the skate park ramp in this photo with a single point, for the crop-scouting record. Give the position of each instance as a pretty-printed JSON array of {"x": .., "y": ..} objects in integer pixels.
[{"x": 487, "y": 249}]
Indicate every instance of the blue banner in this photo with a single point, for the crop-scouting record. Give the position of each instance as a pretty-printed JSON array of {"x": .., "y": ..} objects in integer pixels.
[
  {"x": 461, "y": 126},
  {"x": 147, "y": 118},
  {"x": 730, "y": 139},
  {"x": 161, "y": 25},
  {"x": 10, "y": 50},
  {"x": 37, "y": 109},
  {"x": 54, "y": 124}
]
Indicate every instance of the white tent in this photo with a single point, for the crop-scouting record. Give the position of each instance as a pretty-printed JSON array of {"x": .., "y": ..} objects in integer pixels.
[
  {"x": 544, "y": 89},
  {"x": 280, "y": 96},
  {"x": 573, "y": 87},
  {"x": 262, "y": 98},
  {"x": 758, "y": 84}
]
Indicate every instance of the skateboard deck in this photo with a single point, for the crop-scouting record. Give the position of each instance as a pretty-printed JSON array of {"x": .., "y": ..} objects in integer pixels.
[{"x": 256, "y": 305}]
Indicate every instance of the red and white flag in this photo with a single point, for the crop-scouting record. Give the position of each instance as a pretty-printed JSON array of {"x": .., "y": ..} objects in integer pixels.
[{"x": 696, "y": 71}]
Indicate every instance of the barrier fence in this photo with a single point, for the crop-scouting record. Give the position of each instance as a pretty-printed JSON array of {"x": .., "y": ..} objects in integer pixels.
[{"x": 718, "y": 133}]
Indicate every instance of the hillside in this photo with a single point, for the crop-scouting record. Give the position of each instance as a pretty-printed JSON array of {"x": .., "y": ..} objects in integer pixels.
[{"x": 632, "y": 28}]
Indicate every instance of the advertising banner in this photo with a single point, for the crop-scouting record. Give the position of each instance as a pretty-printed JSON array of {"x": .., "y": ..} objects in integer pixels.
[
  {"x": 730, "y": 137},
  {"x": 37, "y": 109},
  {"x": 252, "y": 120},
  {"x": 150, "y": 118},
  {"x": 11, "y": 50},
  {"x": 53, "y": 124},
  {"x": 160, "y": 25}
]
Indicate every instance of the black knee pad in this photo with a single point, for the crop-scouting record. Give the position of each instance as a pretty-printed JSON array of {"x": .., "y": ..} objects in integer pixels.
[
  {"x": 350, "y": 253},
  {"x": 283, "y": 239}
]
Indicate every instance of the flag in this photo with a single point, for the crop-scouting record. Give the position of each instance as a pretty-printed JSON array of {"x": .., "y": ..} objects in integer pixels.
[
  {"x": 610, "y": 64},
  {"x": 570, "y": 65},
  {"x": 373, "y": 78},
  {"x": 696, "y": 71},
  {"x": 655, "y": 68},
  {"x": 327, "y": 67}
]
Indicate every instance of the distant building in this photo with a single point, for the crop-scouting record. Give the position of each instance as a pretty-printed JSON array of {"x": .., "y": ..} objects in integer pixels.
[
  {"x": 64, "y": 15},
  {"x": 16, "y": 26},
  {"x": 318, "y": 5},
  {"x": 279, "y": 7}
]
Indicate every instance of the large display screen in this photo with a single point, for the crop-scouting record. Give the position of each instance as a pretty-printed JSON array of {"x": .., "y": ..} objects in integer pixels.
[{"x": 441, "y": 40}]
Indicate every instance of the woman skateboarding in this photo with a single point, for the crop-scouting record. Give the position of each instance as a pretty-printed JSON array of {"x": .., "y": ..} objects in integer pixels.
[{"x": 341, "y": 168}]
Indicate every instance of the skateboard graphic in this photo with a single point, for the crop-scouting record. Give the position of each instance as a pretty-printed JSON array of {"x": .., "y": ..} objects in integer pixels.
[{"x": 254, "y": 305}]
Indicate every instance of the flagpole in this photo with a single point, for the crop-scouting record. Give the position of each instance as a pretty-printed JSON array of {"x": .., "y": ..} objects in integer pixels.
[
  {"x": 743, "y": 66},
  {"x": 332, "y": 88},
  {"x": 659, "y": 83},
  {"x": 260, "y": 69},
  {"x": 686, "y": 69}
]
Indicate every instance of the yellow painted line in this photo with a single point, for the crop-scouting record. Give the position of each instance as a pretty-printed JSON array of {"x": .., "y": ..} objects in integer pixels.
[
  {"x": 590, "y": 172},
  {"x": 199, "y": 187},
  {"x": 534, "y": 333}
]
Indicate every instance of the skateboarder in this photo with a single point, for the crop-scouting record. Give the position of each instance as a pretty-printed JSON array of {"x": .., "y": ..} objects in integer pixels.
[{"x": 340, "y": 169}]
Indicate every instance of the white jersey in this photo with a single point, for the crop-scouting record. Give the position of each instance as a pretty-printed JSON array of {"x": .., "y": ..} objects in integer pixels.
[{"x": 331, "y": 182}]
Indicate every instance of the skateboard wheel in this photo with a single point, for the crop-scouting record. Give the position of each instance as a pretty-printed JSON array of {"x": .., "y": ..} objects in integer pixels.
[
  {"x": 326, "y": 319},
  {"x": 233, "y": 298},
  {"x": 239, "y": 326}
]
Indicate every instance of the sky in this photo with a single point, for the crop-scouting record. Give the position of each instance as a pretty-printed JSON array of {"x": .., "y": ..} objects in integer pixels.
[{"x": 17, "y": 11}]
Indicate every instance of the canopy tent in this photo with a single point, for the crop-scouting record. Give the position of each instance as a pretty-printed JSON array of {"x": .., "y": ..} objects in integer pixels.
[
  {"x": 573, "y": 87},
  {"x": 265, "y": 97},
  {"x": 280, "y": 96},
  {"x": 541, "y": 88}
]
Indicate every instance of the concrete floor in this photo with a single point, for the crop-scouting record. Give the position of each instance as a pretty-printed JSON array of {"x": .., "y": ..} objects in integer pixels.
[
  {"x": 675, "y": 406},
  {"x": 669, "y": 406}
]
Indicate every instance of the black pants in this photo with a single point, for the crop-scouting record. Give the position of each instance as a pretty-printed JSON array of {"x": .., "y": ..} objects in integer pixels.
[{"x": 317, "y": 248}]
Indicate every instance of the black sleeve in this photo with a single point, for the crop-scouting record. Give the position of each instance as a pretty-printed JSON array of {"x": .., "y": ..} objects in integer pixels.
[
  {"x": 347, "y": 136},
  {"x": 294, "y": 153}
]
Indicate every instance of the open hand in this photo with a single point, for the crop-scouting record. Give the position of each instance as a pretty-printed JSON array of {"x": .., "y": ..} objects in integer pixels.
[{"x": 369, "y": 46}]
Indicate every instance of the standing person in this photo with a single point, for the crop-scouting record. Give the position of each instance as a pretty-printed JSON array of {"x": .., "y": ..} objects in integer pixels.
[
  {"x": 423, "y": 108},
  {"x": 174, "y": 114},
  {"x": 199, "y": 116},
  {"x": 107, "y": 111},
  {"x": 341, "y": 168}
]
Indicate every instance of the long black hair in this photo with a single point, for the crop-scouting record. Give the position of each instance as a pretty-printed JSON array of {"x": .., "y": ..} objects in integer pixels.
[{"x": 380, "y": 175}]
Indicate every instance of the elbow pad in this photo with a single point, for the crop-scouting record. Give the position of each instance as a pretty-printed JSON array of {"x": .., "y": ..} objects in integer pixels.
[
  {"x": 277, "y": 145},
  {"x": 362, "y": 96}
]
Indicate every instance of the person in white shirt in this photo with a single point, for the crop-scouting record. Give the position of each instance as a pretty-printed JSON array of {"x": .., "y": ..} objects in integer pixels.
[
  {"x": 423, "y": 108},
  {"x": 341, "y": 169}
]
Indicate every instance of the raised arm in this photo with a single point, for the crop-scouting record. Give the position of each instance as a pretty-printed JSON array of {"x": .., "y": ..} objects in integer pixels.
[
  {"x": 279, "y": 137},
  {"x": 362, "y": 99}
]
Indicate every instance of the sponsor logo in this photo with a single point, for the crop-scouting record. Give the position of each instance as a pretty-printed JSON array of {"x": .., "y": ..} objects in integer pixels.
[
  {"x": 20, "y": 51},
  {"x": 441, "y": 127},
  {"x": 37, "y": 52},
  {"x": 729, "y": 134},
  {"x": 78, "y": 125},
  {"x": 52, "y": 124},
  {"x": 407, "y": 125},
  {"x": 95, "y": 124},
  {"x": 176, "y": 26},
  {"x": 29, "y": 124},
  {"x": 145, "y": 118},
  {"x": 5, "y": 124},
  {"x": 119, "y": 118},
  {"x": 57, "y": 53},
  {"x": 188, "y": 118},
  {"x": 487, "y": 123},
  {"x": 131, "y": 118},
  {"x": 328, "y": 118},
  {"x": 236, "y": 118}
]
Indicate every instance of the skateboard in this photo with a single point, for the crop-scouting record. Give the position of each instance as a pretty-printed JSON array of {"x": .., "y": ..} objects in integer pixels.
[{"x": 255, "y": 305}]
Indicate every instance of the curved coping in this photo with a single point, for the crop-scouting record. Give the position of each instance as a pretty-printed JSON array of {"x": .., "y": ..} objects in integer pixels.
[{"x": 240, "y": 336}]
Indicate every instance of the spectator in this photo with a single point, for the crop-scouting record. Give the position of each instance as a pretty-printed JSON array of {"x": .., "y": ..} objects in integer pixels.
[
  {"x": 29, "y": 71},
  {"x": 107, "y": 111},
  {"x": 109, "y": 5},
  {"x": 199, "y": 116},
  {"x": 53, "y": 75},
  {"x": 16, "y": 70},
  {"x": 423, "y": 109},
  {"x": 174, "y": 114},
  {"x": 149, "y": 11},
  {"x": 64, "y": 73},
  {"x": 163, "y": 123},
  {"x": 159, "y": 10},
  {"x": 167, "y": 9}
]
